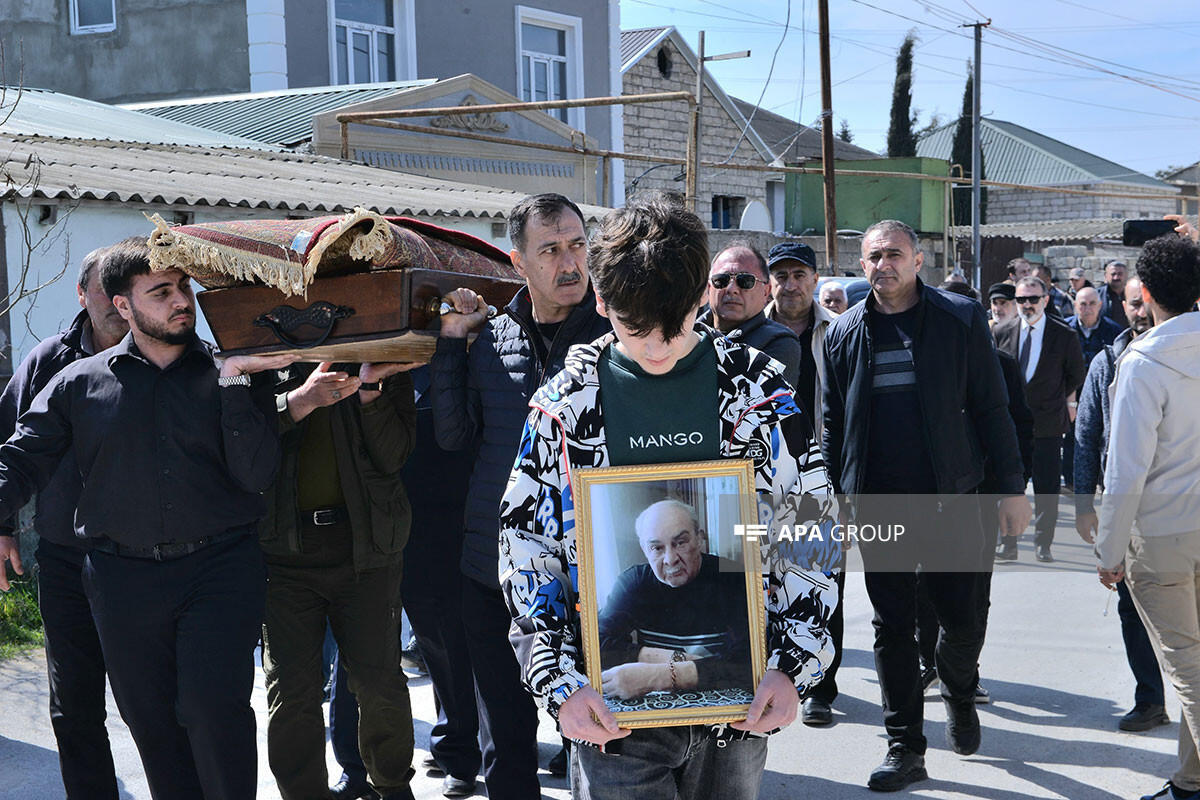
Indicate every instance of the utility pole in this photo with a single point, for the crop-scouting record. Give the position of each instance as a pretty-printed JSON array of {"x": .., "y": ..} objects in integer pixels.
[
  {"x": 976, "y": 156},
  {"x": 827, "y": 143},
  {"x": 694, "y": 155}
]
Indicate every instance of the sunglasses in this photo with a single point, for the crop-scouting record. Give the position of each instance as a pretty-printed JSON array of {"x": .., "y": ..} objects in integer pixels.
[
  {"x": 744, "y": 280},
  {"x": 1029, "y": 299}
]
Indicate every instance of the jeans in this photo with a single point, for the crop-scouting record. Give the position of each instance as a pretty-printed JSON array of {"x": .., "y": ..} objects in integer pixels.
[
  {"x": 663, "y": 763},
  {"x": 75, "y": 664}
]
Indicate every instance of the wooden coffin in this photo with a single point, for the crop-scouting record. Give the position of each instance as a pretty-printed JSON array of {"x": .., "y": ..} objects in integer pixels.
[{"x": 383, "y": 315}]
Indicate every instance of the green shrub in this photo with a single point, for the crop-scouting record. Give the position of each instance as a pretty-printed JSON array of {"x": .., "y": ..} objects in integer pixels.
[{"x": 20, "y": 620}]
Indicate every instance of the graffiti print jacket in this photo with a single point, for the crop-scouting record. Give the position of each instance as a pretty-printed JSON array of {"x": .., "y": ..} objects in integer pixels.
[{"x": 565, "y": 431}]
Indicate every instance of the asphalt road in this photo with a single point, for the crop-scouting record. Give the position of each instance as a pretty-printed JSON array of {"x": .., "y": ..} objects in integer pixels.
[{"x": 1053, "y": 662}]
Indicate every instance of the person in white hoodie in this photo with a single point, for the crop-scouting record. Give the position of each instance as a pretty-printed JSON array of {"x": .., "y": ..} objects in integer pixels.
[{"x": 1152, "y": 482}]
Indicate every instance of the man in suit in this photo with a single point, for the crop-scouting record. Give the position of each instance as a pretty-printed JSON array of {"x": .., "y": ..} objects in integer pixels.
[{"x": 1051, "y": 363}]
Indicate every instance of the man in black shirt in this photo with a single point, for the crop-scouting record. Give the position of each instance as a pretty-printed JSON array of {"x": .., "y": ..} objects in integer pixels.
[
  {"x": 915, "y": 406},
  {"x": 173, "y": 453}
]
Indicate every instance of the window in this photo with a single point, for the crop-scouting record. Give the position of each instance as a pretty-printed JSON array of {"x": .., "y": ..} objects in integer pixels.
[
  {"x": 364, "y": 33},
  {"x": 549, "y": 66},
  {"x": 93, "y": 16},
  {"x": 726, "y": 212}
]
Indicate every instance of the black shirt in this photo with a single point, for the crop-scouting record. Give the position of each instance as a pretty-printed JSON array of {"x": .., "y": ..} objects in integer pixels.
[
  {"x": 806, "y": 383},
  {"x": 165, "y": 455},
  {"x": 898, "y": 459}
]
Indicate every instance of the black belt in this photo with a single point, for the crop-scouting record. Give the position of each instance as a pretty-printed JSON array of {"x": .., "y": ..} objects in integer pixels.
[
  {"x": 168, "y": 551},
  {"x": 324, "y": 517}
]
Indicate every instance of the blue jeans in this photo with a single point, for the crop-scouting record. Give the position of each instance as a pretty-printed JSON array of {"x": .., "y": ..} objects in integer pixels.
[{"x": 662, "y": 763}]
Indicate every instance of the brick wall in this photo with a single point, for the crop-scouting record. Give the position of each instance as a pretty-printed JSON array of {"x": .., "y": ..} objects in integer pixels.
[
  {"x": 1022, "y": 205},
  {"x": 661, "y": 129}
]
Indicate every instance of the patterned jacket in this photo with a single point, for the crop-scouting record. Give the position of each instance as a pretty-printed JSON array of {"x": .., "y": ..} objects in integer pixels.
[{"x": 538, "y": 564}]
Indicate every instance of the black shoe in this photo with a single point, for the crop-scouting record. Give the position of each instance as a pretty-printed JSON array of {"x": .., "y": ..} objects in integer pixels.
[
  {"x": 982, "y": 695},
  {"x": 1007, "y": 551},
  {"x": 816, "y": 712},
  {"x": 1043, "y": 554},
  {"x": 929, "y": 679},
  {"x": 432, "y": 768},
  {"x": 457, "y": 787},
  {"x": 900, "y": 767},
  {"x": 1143, "y": 717},
  {"x": 962, "y": 726},
  {"x": 1170, "y": 791},
  {"x": 557, "y": 766},
  {"x": 347, "y": 789}
]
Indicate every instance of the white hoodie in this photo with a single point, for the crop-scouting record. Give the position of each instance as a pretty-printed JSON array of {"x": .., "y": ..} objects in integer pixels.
[{"x": 1152, "y": 476}]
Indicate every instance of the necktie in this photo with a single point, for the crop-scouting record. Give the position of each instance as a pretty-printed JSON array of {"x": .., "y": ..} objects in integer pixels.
[{"x": 1023, "y": 358}]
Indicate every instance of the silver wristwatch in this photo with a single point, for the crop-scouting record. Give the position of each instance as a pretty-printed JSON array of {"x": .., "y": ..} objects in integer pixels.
[{"x": 233, "y": 380}]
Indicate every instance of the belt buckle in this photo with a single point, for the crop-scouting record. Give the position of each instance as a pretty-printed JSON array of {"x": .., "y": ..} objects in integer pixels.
[
  {"x": 157, "y": 552},
  {"x": 324, "y": 516}
]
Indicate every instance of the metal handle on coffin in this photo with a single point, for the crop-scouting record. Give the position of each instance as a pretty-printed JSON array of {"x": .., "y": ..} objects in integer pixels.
[{"x": 284, "y": 320}]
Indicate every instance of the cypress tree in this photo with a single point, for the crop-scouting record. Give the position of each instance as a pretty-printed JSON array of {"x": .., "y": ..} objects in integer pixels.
[
  {"x": 844, "y": 132},
  {"x": 901, "y": 141},
  {"x": 960, "y": 153}
]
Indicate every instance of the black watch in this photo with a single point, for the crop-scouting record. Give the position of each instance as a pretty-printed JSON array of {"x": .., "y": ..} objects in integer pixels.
[{"x": 371, "y": 386}]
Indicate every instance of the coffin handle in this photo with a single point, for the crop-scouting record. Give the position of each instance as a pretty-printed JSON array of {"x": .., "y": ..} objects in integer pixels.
[{"x": 284, "y": 320}]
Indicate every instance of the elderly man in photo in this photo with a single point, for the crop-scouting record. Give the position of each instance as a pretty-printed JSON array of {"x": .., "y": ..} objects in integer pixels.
[
  {"x": 739, "y": 287},
  {"x": 1152, "y": 481},
  {"x": 833, "y": 297},
  {"x": 677, "y": 622}
]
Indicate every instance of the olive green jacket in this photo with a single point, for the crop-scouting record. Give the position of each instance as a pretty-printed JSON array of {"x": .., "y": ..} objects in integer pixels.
[{"x": 371, "y": 443}]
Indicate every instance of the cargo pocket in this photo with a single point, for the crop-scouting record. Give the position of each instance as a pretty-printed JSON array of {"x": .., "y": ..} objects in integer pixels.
[{"x": 391, "y": 513}]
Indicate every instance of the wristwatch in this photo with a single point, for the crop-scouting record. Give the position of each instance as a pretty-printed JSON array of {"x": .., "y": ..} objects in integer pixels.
[
  {"x": 371, "y": 386},
  {"x": 234, "y": 380}
]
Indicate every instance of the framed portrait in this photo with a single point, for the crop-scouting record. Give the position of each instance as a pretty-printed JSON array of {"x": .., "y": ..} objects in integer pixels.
[{"x": 671, "y": 590}]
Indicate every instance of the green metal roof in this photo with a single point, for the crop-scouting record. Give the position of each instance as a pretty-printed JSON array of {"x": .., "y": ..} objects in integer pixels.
[
  {"x": 282, "y": 117},
  {"x": 1015, "y": 154}
]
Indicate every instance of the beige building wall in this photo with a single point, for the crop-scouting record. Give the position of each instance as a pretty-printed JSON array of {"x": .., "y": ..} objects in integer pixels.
[{"x": 1022, "y": 205}]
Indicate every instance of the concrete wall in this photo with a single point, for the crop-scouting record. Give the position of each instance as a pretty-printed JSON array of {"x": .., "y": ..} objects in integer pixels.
[
  {"x": 160, "y": 48},
  {"x": 1091, "y": 257},
  {"x": 1022, "y": 205},
  {"x": 848, "y": 251},
  {"x": 97, "y": 224},
  {"x": 661, "y": 129}
]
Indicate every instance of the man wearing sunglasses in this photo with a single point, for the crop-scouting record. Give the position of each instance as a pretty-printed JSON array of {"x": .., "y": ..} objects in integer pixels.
[
  {"x": 1051, "y": 363},
  {"x": 739, "y": 288}
]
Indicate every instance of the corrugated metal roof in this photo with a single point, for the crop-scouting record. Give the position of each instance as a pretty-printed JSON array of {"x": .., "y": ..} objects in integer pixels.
[
  {"x": 1184, "y": 175},
  {"x": 791, "y": 141},
  {"x": 1048, "y": 230},
  {"x": 1015, "y": 154},
  {"x": 283, "y": 117},
  {"x": 635, "y": 43},
  {"x": 205, "y": 176},
  {"x": 40, "y": 112}
]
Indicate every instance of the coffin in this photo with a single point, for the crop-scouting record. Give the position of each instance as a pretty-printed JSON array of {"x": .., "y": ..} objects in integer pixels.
[{"x": 355, "y": 288}]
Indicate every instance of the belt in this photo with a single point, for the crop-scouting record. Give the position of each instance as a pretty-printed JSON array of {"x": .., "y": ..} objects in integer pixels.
[
  {"x": 168, "y": 551},
  {"x": 323, "y": 517}
]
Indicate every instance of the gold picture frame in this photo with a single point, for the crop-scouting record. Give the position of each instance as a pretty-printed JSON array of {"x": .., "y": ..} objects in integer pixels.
[{"x": 633, "y": 583}]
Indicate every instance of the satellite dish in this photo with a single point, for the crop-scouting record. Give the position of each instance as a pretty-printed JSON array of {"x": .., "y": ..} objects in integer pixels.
[{"x": 756, "y": 217}]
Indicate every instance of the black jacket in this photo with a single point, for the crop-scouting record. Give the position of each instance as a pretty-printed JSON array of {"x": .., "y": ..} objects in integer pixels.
[
  {"x": 371, "y": 444},
  {"x": 481, "y": 399},
  {"x": 771, "y": 337},
  {"x": 961, "y": 390},
  {"x": 55, "y": 516},
  {"x": 1060, "y": 371}
]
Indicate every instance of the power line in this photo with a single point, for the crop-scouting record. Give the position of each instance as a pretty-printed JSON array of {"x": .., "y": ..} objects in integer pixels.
[{"x": 770, "y": 71}]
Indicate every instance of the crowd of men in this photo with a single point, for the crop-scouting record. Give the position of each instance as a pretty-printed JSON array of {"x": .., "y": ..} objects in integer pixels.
[{"x": 189, "y": 507}]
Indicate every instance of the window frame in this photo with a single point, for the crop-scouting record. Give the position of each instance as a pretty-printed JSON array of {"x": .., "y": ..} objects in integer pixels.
[
  {"x": 404, "y": 42},
  {"x": 572, "y": 26},
  {"x": 77, "y": 29}
]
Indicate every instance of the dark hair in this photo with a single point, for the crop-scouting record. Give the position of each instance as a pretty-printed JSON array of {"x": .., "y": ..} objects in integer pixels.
[
  {"x": 87, "y": 267},
  {"x": 742, "y": 244},
  {"x": 649, "y": 263},
  {"x": 1169, "y": 267},
  {"x": 895, "y": 226},
  {"x": 1012, "y": 265},
  {"x": 548, "y": 206},
  {"x": 958, "y": 287},
  {"x": 1043, "y": 268},
  {"x": 1029, "y": 280},
  {"x": 122, "y": 262}
]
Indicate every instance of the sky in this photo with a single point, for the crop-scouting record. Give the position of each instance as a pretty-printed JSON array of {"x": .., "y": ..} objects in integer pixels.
[{"x": 1118, "y": 79}]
